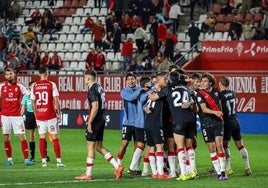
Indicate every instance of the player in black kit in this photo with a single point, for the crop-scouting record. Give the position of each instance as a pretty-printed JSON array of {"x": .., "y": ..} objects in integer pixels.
[
  {"x": 181, "y": 106},
  {"x": 212, "y": 122},
  {"x": 231, "y": 125}
]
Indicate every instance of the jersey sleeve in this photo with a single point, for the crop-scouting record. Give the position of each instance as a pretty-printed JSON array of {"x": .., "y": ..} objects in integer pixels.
[
  {"x": 200, "y": 99},
  {"x": 93, "y": 95},
  {"x": 130, "y": 94},
  {"x": 55, "y": 90}
]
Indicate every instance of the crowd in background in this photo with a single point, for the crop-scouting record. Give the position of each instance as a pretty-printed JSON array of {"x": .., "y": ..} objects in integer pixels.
[{"x": 143, "y": 32}]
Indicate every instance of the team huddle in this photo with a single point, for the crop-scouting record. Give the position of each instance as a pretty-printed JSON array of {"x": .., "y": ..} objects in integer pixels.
[{"x": 160, "y": 114}]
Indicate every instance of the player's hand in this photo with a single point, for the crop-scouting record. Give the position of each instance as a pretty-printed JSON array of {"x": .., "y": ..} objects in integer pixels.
[
  {"x": 186, "y": 105},
  {"x": 147, "y": 110},
  {"x": 218, "y": 113},
  {"x": 89, "y": 128},
  {"x": 59, "y": 118}
]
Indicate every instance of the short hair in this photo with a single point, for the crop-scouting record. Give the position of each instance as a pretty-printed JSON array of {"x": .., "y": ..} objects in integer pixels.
[
  {"x": 210, "y": 78},
  {"x": 173, "y": 66},
  {"x": 182, "y": 71},
  {"x": 160, "y": 74},
  {"x": 31, "y": 83},
  {"x": 196, "y": 76},
  {"x": 174, "y": 76},
  {"x": 92, "y": 73},
  {"x": 130, "y": 74},
  {"x": 225, "y": 81},
  {"x": 144, "y": 80},
  {"x": 43, "y": 69}
]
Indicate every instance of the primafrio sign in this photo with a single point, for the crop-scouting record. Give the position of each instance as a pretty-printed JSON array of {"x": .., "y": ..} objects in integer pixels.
[{"x": 235, "y": 50}]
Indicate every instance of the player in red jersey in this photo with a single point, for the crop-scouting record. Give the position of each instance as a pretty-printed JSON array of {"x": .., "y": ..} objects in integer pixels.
[
  {"x": 46, "y": 107},
  {"x": 11, "y": 94}
]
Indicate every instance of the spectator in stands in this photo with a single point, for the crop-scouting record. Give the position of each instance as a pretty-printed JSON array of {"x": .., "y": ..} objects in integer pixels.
[
  {"x": 127, "y": 52},
  {"x": 144, "y": 12},
  {"x": 98, "y": 34},
  {"x": 235, "y": 30},
  {"x": 208, "y": 24},
  {"x": 56, "y": 62},
  {"x": 13, "y": 50},
  {"x": 136, "y": 22},
  {"x": 57, "y": 26},
  {"x": 194, "y": 33},
  {"x": 174, "y": 13},
  {"x": 159, "y": 57},
  {"x": 118, "y": 10},
  {"x": 45, "y": 60},
  {"x": 98, "y": 3},
  {"x": 178, "y": 58},
  {"x": 3, "y": 46},
  {"x": 265, "y": 24},
  {"x": 133, "y": 8},
  {"x": 132, "y": 66},
  {"x": 139, "y": 68},
  {"x": 49, "y": 15},
  {"x": 161, "y": 32},
  {"x": 162, "y": 47},
  {"x": 152, "y": 48},
  {"x": 109, "y": 22},
  {"x": 227, "y": 8},
  {"x": 107, "y": 41},
  {"x": 249, "y": 30},
  {"x": 35, "y": 17},
  {"x": 153, "y": 30},
  {"x": 34, "y": 61},
  {"x": 155, "y": 64},
  {"x": 91, "y": 56},
  {"x": 192, "y": 5},
  {"x": 15, "y": 9},
  {"x": 46, "y": 25},
  {"x": 126, "y": 24},
  {"x": 29, "y": 36},
  {"x": 116, "y": 37},
  {"x": 88, "y": 25},
  {"x": 24, "y": 49},
  {"x": 171, "y": 41},
  {"x": 147, "y": 66},
  {"x": 164, "y": 66},
  {"x": 99, "y": 62},
  {"x": 140, "y": 37},
  {"x": 4, "y": 4},
  {"x": 10, "y": 32},
  {"x": 21, "y": 66}
]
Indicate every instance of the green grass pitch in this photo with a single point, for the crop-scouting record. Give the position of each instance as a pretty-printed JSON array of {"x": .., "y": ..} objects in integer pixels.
[{"x": 74, "y": 156}]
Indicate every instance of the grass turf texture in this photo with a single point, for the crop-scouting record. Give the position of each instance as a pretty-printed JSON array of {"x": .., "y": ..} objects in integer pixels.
[{"x": 74, "y": 157}]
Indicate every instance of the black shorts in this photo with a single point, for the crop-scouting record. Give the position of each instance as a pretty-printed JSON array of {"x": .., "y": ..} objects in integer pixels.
[
  {"x": 98, "y": 126},
  {"x": 128, "y": 132},
  {"x": 154, "y": 136},
  {"x": 232, "y": 129},
  {"x": 30, "y": 122},
  {"x": 185, "y": 128},
  {"x": 140, "y": 135},
  {"x": 212, "y": 131},
  {"x": 168, "y": 130}
]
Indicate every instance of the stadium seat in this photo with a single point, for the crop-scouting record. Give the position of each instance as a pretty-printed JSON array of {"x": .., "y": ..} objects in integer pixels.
[
  {"x": 68, "y": 46},
  {"x": 29, "y": 4},
  {"x": 59, "y": 3},
  {"x": 82, "y": 65},
  {"x": 67, "y": 3},
  {"x": 60, "y": 46},
  {"x": 70, "y": 37},
  {"x": 220, "y": 18},
  {"x": 68, "y": 56},
  {"x": 80, "y": 11},
  {"x": 208, "y": 36},
  {"x": 77, "y": 56},
  {"x": 229, "y": 18},
  {"x": 77, "y": 20},
  {"x": 95, "y": 11},
  {"x": 74, "y": 28},
  {"x": 217, "y": 36},
  {"x": 76, "y": 46},
  {"x": 85, "y": 46},
  {"x": 44, "y": 4},
  {"x": 84, "y": 56},
  {"x": 51, "y": 46},
  {"x": 248, "y": 17},
  {"x": 216, "y": 8},
  {"x": 258, "y": 17},
  {"x": 69, "y": 20},
  {"x": 73, "y": 65},
  {"x": 36, "y": 4},
  {"x": 62, "y": 38},
  {"x": 79, "y": 37}
]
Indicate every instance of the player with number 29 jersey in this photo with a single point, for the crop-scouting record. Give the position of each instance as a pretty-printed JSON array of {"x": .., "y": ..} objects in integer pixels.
[{"x": 43, "y": 93}]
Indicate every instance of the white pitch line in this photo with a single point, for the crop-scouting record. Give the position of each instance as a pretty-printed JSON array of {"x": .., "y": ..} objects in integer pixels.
[{"x": 71, "y": 181}]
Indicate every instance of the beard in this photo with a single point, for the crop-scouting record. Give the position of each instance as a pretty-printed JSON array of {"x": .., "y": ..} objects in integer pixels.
[{"x": 10, "y": 80}]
